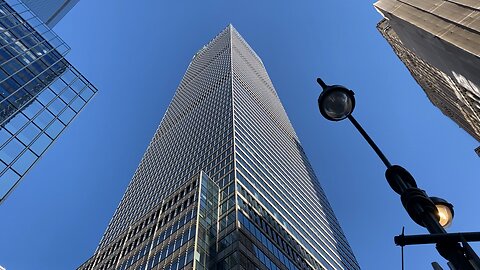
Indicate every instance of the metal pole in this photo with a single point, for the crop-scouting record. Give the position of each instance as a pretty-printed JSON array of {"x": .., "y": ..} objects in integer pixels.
[
  {"x": 450, "y": 250},
  {"x": 370, "y": 141},
  {"x": 471, "y": 255},
  {"x": 405, "y": 240}
]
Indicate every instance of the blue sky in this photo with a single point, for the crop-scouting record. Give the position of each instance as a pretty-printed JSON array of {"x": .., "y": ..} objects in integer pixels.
[{"x": 136, "y": 52}]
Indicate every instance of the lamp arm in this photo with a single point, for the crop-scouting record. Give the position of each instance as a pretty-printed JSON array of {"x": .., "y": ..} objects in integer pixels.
[{"x": 370, "y": 141}]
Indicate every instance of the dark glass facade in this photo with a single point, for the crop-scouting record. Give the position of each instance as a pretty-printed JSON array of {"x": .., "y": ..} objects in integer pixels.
[
  {"x": 40, "y": 91},
  {"x": 227, "y": 121},
  {"x": 29, "y": 62},
  {"x": 177, "y": 231}
]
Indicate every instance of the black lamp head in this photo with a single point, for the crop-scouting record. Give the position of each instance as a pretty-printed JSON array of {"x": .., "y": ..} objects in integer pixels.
[{"x": 336, "y": 102}]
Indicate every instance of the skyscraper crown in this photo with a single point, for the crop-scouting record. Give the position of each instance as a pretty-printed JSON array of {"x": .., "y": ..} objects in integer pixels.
[{"x": 224, "y": 178}]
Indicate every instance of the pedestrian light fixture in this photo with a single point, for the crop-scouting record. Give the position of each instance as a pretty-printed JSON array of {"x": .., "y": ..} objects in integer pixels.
[
  {"x": 445, "y": 211},
  {"x": 337, "y": 103}
]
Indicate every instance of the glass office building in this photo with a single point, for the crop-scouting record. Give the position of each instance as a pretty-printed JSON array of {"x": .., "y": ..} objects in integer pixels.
[
  {"x": 50, "y": 11},
  {"x": 224, "y": 183},
  {"x": 40, "y": 91}
]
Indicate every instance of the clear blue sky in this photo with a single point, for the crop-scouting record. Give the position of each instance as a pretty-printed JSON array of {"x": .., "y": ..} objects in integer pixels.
[{"x": 136, "y": 52}]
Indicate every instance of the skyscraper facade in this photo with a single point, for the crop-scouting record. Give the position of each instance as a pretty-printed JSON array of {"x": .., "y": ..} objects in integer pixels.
[
  {"x": 40, "y": 91},
  {"x": 50, "y": 11},
  {"x": 439, "y": 42},
  {"x": 224, "y": 182}
]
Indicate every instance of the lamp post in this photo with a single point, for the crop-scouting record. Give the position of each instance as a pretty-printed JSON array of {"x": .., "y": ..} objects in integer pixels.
[{"x": 337, "y": 103}]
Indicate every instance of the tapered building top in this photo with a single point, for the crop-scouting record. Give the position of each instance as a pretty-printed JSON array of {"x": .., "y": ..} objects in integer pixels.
[{"x": 226, "y": 121}]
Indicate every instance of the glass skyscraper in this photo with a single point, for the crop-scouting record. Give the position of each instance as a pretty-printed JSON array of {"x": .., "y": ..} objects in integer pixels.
[
  {"x": 40, "y": 91},
  {"x": 224, "y": 183},
  {"x": 50, "y": 11}
]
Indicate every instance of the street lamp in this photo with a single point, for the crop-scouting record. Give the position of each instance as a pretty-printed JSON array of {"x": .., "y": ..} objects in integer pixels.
[
  {"x": 445, "y": 211},
  {"x": 336, "y": 103}
]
